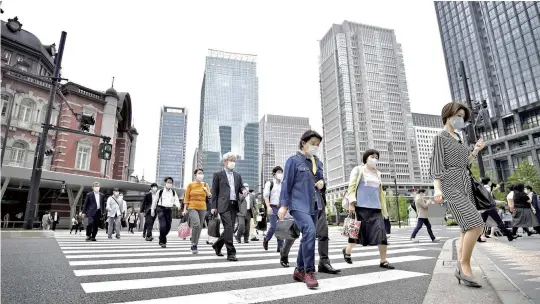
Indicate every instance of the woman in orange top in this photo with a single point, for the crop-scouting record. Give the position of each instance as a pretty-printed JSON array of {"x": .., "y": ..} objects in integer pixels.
[{"x": 195, "y": 206}]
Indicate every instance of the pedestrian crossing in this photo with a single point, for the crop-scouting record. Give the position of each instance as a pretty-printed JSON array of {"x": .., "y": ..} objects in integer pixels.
[{"x": 131, "y": 270}]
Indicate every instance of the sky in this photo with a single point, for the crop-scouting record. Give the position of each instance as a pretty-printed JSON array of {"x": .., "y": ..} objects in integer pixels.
[{"x": 156, "y": 51}]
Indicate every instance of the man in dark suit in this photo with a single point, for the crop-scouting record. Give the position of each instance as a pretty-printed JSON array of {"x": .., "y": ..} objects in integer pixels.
[
  {"x": 227, "y": 191},
  {"x": 145, "y": 209},
  {"x": 245, "y": 214},
  {"x": 93, "y": 208}
]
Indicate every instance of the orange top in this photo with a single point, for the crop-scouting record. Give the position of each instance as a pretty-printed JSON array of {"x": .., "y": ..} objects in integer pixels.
[{"x": 195, "y": 197}]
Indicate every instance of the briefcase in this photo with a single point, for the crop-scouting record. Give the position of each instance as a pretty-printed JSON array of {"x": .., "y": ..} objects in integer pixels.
[
  {"x": 214, "y": 226},
  {"x": 287, "y": 230}
]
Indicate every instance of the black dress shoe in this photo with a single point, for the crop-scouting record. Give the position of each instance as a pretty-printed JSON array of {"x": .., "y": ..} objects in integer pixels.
[
  {"x": 246, "y": 241},
  {"x": 163, "y": 245},
  {"x": 480, "y": 240},
  {"x": 325, "y": 267},
  {"x": 93, "y": 239},
  {"x": 284, "y": 261},
  {"x": 88, "y": 239},
  {"x": 232, "y": 258},
  {"x": 218, "y": 252},
  {"x": 254, "y": 239}
]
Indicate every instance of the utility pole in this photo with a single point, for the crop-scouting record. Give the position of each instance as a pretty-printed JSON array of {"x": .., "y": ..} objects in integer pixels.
[
  {"x": 471, "y": 132},
  {"x": 393, "y": 165},
  {"x": 38, "y": 168}
]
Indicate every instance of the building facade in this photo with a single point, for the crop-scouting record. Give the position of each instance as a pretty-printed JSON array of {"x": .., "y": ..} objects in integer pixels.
[
  {"x": 278, "y": 140},
  {"x": 499, "y": 45},
  {"x": 426, "y": 126},
  {"x": 171, "y": 156},
  {"x": 229, "y": 114},
  {"x": 365, "y": 104},
  {"x": 25, "y": 90}
]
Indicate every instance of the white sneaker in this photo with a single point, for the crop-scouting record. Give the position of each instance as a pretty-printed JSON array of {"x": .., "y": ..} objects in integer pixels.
[
  {"x": 436, "y": 240},
  {"x": 415, "y": 241}
]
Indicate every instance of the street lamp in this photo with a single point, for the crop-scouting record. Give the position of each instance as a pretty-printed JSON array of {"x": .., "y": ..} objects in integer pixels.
[{"x": 8, "y": 124}]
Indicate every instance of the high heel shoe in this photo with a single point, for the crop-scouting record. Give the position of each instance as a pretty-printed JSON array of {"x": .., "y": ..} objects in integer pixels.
[{"x": 467, "y": 280}]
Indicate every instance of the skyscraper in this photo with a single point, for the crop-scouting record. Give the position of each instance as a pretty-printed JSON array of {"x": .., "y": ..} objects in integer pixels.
[
  {"x": 365, "y": 103},
  {"x": 229, "y": 114},
  {"x": 172, "y": 145},
  {"x": 426, "y": 126},
  {"x": 499, "y": 45},
  {"x": 278, "y": 140}
]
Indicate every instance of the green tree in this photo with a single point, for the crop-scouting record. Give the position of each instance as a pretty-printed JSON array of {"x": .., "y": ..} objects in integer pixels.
[
  {"x": 500, "y": 196},
  {"x": 392, "y": 207},
  {"x": 526, "y": 174}
]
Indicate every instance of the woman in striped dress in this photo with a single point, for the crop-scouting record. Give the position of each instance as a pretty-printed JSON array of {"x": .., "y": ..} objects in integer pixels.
[{"x": 452, "y": 182}]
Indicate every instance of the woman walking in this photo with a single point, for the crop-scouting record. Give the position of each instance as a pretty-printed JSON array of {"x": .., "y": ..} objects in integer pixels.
[
  {"x": 195, "y": 207},
  {"x": 132, "y": 220},
  {"x": 452, "y": 182},
  {"x": 368, "y": 202},
  {"x": 302, "y": 180},
  {"x": 522, "y": 214}
]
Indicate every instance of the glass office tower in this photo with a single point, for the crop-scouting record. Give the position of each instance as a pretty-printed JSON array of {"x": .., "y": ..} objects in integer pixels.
[
  {"x": 172, "y": 146},
  {"x": 229, "y": 114}
]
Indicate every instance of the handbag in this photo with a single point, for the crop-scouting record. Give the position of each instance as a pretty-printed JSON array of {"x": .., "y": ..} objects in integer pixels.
[
  {"x": 351, "y": 227},
  {"x": 184, "y": 231},
  {"x": 214, "y": 226},
  {"x": 287, "y": 230},
  {"x": 482, "y": 198}
]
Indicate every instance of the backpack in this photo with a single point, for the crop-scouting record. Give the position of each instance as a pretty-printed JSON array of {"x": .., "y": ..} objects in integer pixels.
[{"x": 161, "y": 192}]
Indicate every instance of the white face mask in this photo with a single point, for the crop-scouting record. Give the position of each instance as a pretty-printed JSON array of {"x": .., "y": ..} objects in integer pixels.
[
  {"x": 168, "y": 185},
  {"x": 458, "y": 123},
  {"x": 527, "y": 191},
  {"x": 372, "y": 162},
  {"x": 116, "y": 193},
  {"x": 279, "y": 176},
  {"x": 96, "y": 189},
  {"x": 154, "y": 189},
  {"x": 231, "y": 165},
  {"x": 199, "y": 177},
  {"x": 313, "y": 150}
]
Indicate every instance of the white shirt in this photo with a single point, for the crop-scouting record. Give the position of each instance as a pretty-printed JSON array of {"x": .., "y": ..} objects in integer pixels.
[
  {"x": 510, "y": 196},
  {"x": 248, "y": 199},
  {"x": 276, "y": 190},
  {"x": 168, "y": 199},
  {"x": 96, "y": 195}
]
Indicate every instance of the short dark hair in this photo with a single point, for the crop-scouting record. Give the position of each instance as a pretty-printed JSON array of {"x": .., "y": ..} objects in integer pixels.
[
  {"x": 276, "y": 169},
  {"x": 368, "y": 153},
  {"x": 168, "y": 178},
  {"x": 309, "y": 134},
  {"x": 197, "y": 171},
  {"x": 485, "y": 180},
  {"x": 422, "y": 191},
  {"x": 115, "y": 189},
  {"x": 511, "y": 187},
  {"x": 451, "y": 109},
  {"x": 153, "y": 185},
  {"x": 529, "y": 187},
  {"x": 519, "y": 187}
]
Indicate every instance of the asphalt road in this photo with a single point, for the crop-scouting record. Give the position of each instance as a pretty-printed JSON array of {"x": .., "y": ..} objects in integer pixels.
[{"x": 131, "y": 270}]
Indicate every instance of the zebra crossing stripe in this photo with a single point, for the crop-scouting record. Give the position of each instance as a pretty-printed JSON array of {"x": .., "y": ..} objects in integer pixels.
[
  {"x": 120, "y": 285},
  {"x": 158, "y": 251},
  {"x": 220, "y": 264},
  {"x": 284, "y": 291}
]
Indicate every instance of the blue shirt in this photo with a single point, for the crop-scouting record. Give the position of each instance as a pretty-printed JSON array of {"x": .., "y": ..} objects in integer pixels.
[
  {"x": 367, "y": 193},
  {"x": 298, "y": 191}
]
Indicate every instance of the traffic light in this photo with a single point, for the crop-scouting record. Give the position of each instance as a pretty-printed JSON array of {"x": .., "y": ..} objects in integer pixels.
[
  {"x": 63, "y": 189},
  {"x": 85, "y": 122},
  {"x": 105, "y": 151},
  {"x": 49, "y": 152}
]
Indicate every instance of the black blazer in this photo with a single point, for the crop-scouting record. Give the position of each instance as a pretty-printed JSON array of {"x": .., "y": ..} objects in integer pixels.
[
  {"x": 89, "y": 207},
  {"x": 147, "y": 203},
  {"x": 221, "y": 190}
]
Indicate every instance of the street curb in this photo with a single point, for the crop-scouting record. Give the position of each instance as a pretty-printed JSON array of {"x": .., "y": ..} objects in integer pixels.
[
  {"x": 15, "y": 234},
  {"x": 506, "y": 289}
]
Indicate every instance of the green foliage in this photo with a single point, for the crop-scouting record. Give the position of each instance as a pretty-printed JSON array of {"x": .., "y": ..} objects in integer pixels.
[
  {"x": 392, "y": 207},
  {"x": 339, "y": 207},
  {"x": 451, "y": 223},
  {"x": 526, "y": 174}
]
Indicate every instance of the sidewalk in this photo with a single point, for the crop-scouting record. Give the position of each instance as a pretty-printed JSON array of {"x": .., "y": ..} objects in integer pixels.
[{"x": 496, "y": 286}]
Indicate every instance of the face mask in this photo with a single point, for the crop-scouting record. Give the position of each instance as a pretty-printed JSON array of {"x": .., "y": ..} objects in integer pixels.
[
  {"x": 372, "y": 162},
  {"x": 247, "y": 189},
  {"x": 116, "y": 193},
  {"x": 96, "y": 189},
  {"x": 279, "y": 176},
  {"x": 168, "y": 186},
  {"x": 231, "y": 165},
  {"x": 526, "y": 191},
  {"x": 458, "y": 123},
  {"x": 199, "y": 177},
  {"x": 154, "y": 189},
  {"x": 313, "y": 150}
]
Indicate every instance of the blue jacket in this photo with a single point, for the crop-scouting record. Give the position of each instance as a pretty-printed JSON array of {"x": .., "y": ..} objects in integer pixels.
[{"x": 298, "y": 186}]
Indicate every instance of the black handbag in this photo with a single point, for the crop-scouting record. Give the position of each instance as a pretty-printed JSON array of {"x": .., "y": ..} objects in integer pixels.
[
  {"x": 482, "y": 198},
  {"x": 214, "y": 224},
  {"x": 287, "y": 230}
]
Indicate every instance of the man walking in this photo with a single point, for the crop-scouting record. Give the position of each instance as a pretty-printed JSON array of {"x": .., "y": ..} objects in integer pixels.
[
  {"x": 145, "y": 209},
  {"x": 114, "y": 213},
  {"x": 163, "y": 203},
  {"x": 247, "y": 204},
  {"x": 271, "y": 193},
  {"x": 92, "y": 208},
  {"x": 423, "y": 213},
  {"x": 227, "y": 191}
]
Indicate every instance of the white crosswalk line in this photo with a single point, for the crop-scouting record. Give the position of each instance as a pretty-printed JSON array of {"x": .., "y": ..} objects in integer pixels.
[
  {"x": 284, "y": 291},
  {"x": 221, "y": 277}
]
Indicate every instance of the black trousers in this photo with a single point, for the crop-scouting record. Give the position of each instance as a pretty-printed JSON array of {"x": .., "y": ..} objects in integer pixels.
[
  {"x": 165, "y": 219},
  {"x": 93, "y": 224},
  {"x": 148, "y": 225},
  {"x": 243, "y": 226},
  {"x": 228, "y": 218},
  {"x": 495, "y": 216},
  {"x": 420, "y": 222}
]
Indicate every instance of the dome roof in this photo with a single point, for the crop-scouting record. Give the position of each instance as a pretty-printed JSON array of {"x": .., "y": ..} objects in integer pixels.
[
  {"x": 112, "y": 92},
  {"x": 134, "y": 130},
  {"x": 25, "y": 38}
]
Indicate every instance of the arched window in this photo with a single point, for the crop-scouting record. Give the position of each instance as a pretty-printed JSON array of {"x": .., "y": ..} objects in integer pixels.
[
  {"x": 25, "y": 110},
  {"x": 18, "y": 153}
]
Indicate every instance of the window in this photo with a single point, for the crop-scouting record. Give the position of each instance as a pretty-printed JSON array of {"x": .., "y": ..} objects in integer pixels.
[
  {"x": 25, "y": 111},
  {"x": 18, "y": 153},
  {"x": 7, "y": 57},
  {"x": 5, "y": 104},
  {"x": 84, "y": 150}
]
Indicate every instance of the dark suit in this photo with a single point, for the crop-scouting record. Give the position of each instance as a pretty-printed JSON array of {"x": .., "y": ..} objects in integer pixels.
[
  {"x": 148, "y": 218},
  {"x": 93, "y": 213},
  {"x": 244, "y": 217},
  {"x": 227, "y": 208}
]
